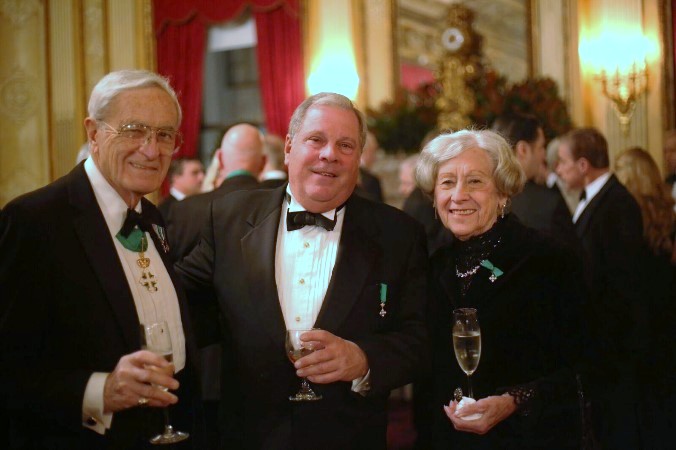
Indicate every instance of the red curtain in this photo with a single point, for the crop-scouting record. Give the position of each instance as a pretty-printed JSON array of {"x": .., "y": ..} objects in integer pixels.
[
  {"x": 280, "y": 66},
  {"x": 180, "y": 29}
]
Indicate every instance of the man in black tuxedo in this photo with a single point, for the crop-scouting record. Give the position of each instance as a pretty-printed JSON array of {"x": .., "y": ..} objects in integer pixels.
[
  {"x": 185, "y": 179},
  {"x": 609, "y": 225},
  {"x": 77, "y": 278},
  {"x": 313, "y": 255},
  {"x": 241, "y": 162}
]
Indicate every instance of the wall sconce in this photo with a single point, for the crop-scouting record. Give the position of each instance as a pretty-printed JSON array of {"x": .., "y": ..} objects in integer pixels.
[
  {"x": 617, "y": 59},
  {"x": 623, "y": 89}
]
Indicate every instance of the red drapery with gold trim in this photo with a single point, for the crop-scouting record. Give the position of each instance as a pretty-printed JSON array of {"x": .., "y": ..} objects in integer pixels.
[{"x": 181, "y": 30}]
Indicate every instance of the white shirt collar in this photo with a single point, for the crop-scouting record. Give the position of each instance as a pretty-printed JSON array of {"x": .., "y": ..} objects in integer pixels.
[
  {"x": 274, "y": 175},
  {"x": 178, "y": 195},
  {"x": 595, "y": 186},
  {"x": 295, "y": 206},
  {"x": 113, "y": 207}
]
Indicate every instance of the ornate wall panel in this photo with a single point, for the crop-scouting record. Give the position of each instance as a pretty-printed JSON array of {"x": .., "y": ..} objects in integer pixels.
[
  {"x": 24, "y": 161},
  {"x": 52, "y": 52}
]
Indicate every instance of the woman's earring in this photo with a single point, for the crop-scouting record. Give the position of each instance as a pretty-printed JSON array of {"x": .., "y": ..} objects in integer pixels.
[{"x": 502, "y": 210}]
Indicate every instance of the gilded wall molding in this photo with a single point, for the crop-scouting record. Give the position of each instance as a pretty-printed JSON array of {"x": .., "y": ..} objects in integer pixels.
[
  {"x": 18, "y": 101},
  {"x": 19, "y": 11}
]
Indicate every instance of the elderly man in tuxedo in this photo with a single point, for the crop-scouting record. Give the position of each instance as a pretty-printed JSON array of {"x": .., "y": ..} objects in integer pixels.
[
  {"x": 84, "y": 261},
  {"x": 313, "y": 255}
]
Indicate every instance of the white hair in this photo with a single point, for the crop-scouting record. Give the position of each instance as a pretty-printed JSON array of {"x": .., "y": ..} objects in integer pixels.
[{"x": 114, "y": 83}]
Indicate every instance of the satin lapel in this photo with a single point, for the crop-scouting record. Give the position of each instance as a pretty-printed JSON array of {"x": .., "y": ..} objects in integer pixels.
[
  {"x": 258, "y": 252},
  {"x": 92, "y": 231},
  {"x": 357, "y": 252},
  {"x": 584, "y": 219}
]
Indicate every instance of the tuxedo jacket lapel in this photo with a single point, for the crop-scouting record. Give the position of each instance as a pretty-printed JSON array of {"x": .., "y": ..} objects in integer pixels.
[
  {"x": 357, "y": 252},
  {"x": 92, "y": 231},
  {"x": 258, "y": 250}
]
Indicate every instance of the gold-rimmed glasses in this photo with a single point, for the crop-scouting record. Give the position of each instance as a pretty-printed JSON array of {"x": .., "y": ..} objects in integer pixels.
[{"x": 168, "y": 140}]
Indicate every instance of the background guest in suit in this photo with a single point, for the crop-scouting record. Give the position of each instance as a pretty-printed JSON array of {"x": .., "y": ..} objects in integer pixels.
[
  {"x": 536, "y": 206},
  {"x": 241, "y": 162},
  {"x": 185, "y": 178},
  {"x": 609, "y": 225},
  {"x": 524, "y": 289},
  {"x": 554, "y": 182},
  {"x": 72, "y": 292},
  {"x": 361, "y": 281},
  {"x": 368, "y": 184},
  {"x": 274, "y": 173}
]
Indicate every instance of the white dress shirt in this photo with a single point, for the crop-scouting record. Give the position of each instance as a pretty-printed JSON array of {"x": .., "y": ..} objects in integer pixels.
[
  {"x": 590, "y": 191},
  {"x": 304, "y": 262},
  {"x": 161, "y": 305}
]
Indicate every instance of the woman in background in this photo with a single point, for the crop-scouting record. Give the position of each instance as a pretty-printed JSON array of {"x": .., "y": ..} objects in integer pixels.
[{"x": 636, "y": 169}]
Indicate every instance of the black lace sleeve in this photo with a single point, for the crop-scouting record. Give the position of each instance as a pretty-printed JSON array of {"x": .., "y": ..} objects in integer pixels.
[{"x": 524, "y": 396}]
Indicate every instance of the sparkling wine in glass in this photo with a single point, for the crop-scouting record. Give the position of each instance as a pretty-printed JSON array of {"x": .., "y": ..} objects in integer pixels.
[
  {"x": 467, "y": 342},
  {"x": 155, "y": 337},
  {"x": 295, "y": 350}
]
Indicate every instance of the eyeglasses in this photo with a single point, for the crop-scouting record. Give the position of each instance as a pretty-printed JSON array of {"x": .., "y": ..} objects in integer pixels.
[{"x": 168, "y": 140}]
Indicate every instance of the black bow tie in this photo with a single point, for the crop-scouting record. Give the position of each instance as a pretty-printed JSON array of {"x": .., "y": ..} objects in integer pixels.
[
  {"x": 134, "y": 219},
  {"x": 298, "y": 219},
  {"x": 583, "y": 195}
]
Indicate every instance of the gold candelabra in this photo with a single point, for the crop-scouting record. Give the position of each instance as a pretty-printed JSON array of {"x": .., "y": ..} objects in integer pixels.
[{"x": 624, "y": 89}]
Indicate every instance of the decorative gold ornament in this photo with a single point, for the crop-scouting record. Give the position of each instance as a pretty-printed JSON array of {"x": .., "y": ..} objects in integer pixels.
[{"x": 459, "y": 40}]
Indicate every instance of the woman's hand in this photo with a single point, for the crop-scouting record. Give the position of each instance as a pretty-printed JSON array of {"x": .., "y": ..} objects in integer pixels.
[{"x": 495, "y": 409}]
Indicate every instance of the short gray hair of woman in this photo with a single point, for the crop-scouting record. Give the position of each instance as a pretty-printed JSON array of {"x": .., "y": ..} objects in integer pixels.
[
  {"x": 507, "y": 173},
  {"x": 327, "y": 99},
  {"x": 114, "y": 83}
]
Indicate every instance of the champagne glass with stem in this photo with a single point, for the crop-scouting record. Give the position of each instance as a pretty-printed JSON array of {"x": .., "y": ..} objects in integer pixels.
[
  {"x": 155, "y": 337},
  {"x": 295, "y": 350},
  {"x": 467, "y": 342}
]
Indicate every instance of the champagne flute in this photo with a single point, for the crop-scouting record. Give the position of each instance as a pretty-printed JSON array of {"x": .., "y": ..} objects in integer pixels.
[
  {"x": 155, "y": 337},
  {"x": 295, "y": 350},
  {"x": 467, "y": 342}
]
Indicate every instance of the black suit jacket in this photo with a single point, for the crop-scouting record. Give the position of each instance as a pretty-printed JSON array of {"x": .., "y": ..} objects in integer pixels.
[
  {"x": 165, "y": 205},
  {"x": 369, "y": 186},
  {"x": 234, "y": 264},
  {"x": 531, "y": 333},
  {"x": 187, "y": 217},
  {"x": 544, "y": 210},
  {"x": 67, "y": 311},
  {"x": 610, "y": 230}
]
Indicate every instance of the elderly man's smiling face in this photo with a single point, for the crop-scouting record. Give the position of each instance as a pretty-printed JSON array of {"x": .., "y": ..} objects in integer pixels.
[
  {"x": 323, "y": 158},
  {"x": 133, "y": 169}
]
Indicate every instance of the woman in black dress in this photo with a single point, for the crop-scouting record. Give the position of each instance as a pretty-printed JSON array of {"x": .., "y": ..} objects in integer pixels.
[{"x": 527, "y": 291}]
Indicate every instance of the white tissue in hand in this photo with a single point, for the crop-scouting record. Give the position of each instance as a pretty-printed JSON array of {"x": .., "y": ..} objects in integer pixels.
[{"x": 467, "y": 401}]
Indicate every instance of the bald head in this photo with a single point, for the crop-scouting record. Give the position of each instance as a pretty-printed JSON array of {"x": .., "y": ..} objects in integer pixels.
[{"x": 242, "y": 149}]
